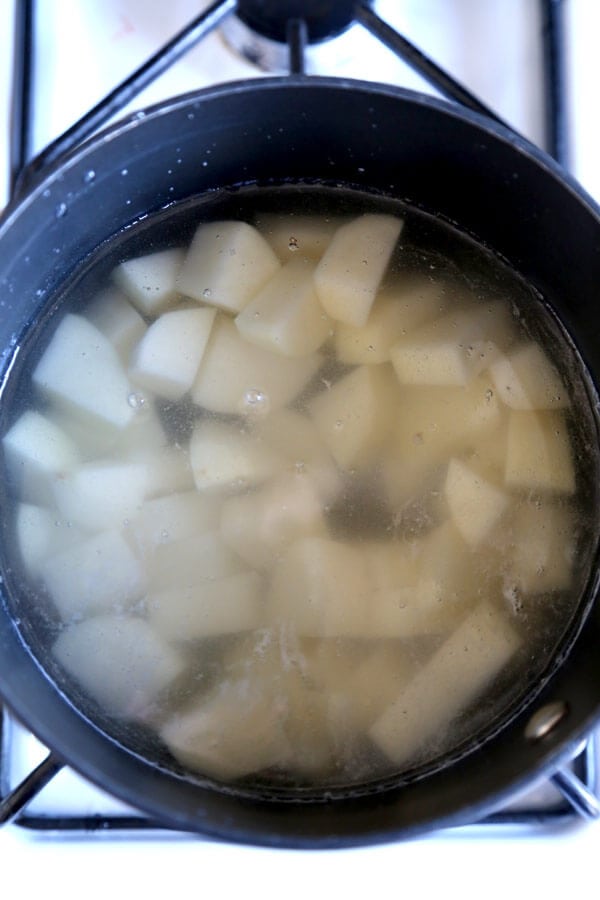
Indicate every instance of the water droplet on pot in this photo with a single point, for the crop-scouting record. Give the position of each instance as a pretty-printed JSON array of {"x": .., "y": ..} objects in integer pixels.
[
  {"x": 124, "y": 171},
  {"x": 61, "y": 210},
  {"x": 89, "y": 176}
]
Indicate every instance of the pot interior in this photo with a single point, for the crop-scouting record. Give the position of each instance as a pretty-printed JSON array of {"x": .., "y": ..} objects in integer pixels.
[{"x": 481, "y": 180}]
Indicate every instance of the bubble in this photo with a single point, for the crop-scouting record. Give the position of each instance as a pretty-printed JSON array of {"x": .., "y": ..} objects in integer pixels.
[
  {"x": 293, "y": 243},
  {"x": 136, "y": 401},
  {"x": 256, "y": 401},
  {"x": 206, "y": 293}
]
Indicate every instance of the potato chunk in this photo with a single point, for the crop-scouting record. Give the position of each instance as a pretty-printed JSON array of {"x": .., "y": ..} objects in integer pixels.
[
  {"x": 259, "y": 525},
  {"x": 354, "y": 416},
  {"x": 150, "y": 281},
  {"x": 541, "y": 547},
  {"x": 238, "y": 377},
  {"x": 475, "y": 504},
  {"x": 466, "y": 663},
  {"x": 226, "y": 265},
  {"x": 113, "y": 315},
  {"x": 96, "y": 575},
  {"x": 167, "y": 358},
  {"x": 223, "y": 457},
  {"x": 286, "y": 316},
  {"x": 433, "y": 424},
  {"x": 37, "y": 451},
  {"x": 194, "y": 560},
  {"x": 526, "y": 379},
  {"x": 538, "y": 454},
  {"x": 174, "y": 517},
  {"x": 101, "y": 495},
  {"x": 396, "y": 311},
  {"x": 208, "y": 608},
  {"x": 40, "y": 535},
  {"x": 350, "y": 271},
  {"x": 119, "y": 661},
  {"x": 81, "y": 370}
]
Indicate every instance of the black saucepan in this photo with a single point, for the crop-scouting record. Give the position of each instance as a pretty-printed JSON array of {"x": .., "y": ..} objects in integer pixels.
[{"x": 496, "y": 187}]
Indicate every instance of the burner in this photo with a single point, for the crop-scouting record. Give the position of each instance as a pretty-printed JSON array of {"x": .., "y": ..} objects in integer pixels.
[{"x": 323, "y": 18}]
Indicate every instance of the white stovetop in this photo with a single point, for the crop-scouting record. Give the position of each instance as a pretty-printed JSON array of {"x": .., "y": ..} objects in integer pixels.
[{"x": 71, "y": 75}]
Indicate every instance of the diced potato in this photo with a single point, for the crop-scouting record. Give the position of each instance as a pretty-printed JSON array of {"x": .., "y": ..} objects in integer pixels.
[
  {"x": 450, "y": 351},
  {"x": 295, "y": 437},
  {"x": 541, "y": 547},
  {"x": 167, "y": 358},
  {"x": 40, "y": 535},
  {"x": 208, "y": 608},
  {"x": 200, "y": 558},
  {"x": 286, "y": 316},
  {"x": 259, "y": 525},
  {"x": 354, "y": 416},
  {"x": 94, "y": 576},
  {"x": 433, "y": 424},
  {"x": 238, "y": 377},
  {"x": 36, "y": 451},
  {"x": 396, "y": 311},
  {"x": 321, "y": 588},
  {"x": 350, "y": 271},
  {"x": 234, "y": 730},
  {"x": 167, "y": 466},
  {"x": 225, "y": 458},
  {"x": 475, "y": 504},
  {"x": 113, "y": 315},
  {"x": 526, "y": 379},
  {"x": 304, "y": 236},
  {"x": 82, "y": 371},
  {"x": 226, "y": 265},
  {"x": 465, "y": 664},
  {"x": 92, "y": 439},
  {"x": 101, "y": 495},
  {"x": 173, "y": 518},
  {"x": 150, "y": 281},
  {"x": 119, "y": 661},
  {"x": 538, "y": 454}
]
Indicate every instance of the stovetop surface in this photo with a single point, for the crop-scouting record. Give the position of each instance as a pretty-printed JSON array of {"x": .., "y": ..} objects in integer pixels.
[{"x": 83, "y": 49}]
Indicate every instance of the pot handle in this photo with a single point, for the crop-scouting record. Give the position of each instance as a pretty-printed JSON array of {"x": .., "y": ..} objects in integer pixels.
[
  {"x": 13, "y": 803},
  {"x": 580, "y": 797}
]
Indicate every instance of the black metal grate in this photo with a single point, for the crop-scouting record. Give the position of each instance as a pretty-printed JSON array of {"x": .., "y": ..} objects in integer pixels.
[{"x": 578, "y": 785}]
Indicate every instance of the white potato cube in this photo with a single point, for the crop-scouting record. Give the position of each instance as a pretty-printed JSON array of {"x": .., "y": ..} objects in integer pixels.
[
  {"x": 355, "y": 415},
  {"x": 526, "y": 379},
  {"x": 260, "y": 524},
  {"x": 167, "y": 358},
  {"x": 238, "y": 377},
  {"x": 538, "y": 454},
  {"x": 465, "y": 664},
  {"x": 286, "y": 316},
  {"x": 40, "y": 535},
  {"x": 475, "y": 504},
  {"x": 150, "y": 281},
  {"x": 449, "y": 351},
  {"x": 208, "y": 608},
  {"x": 226, "y": 265},
  {"x": 234, "y": 730},
  {"x": 92, "y": 439},
  {"x": 225, "y": 458},
  {"x": 112, "y": 314},
  {"x": 36, "y": 452},
  {"x": 174, "y": 517},
  {"x": 295, "y": 437},
  {"x": 396, "y": 312},
  {"x": 195, "y": 560},
  {"x": 291, "y": 235},
  {"x": 96, "y": 575},
  {"x": 321, "y": 588},
  {"x": 82, "y": 371},
  {"x": 350, "y": 271},
  {"x": 101, "y": 495},
  {"x": 120, "y": 662},
  {"x": 145, "y": 443},
  {"x": 541, "y": 548},
  {"x": 433, "y": 424}
]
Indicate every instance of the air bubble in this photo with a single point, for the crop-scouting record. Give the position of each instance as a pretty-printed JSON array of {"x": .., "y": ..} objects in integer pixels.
[
  {"x": 206, "y": 293},
  {"x": 136, "y": 401},
  {"x": 256, "y": 401},
  {"x": 293, "y": 244}
]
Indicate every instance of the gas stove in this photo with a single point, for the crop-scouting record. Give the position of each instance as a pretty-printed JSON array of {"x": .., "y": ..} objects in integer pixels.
[{"x": 503, "y": 53}]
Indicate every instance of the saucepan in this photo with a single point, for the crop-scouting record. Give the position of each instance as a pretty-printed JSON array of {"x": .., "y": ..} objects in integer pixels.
[{"x": 494, "y": 186}]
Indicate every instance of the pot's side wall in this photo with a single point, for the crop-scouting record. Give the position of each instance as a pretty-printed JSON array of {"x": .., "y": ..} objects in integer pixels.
[{"x": 382, "y": 140}]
